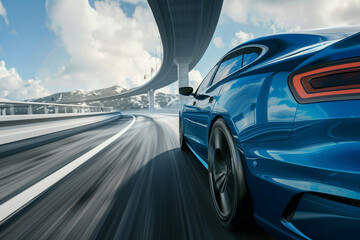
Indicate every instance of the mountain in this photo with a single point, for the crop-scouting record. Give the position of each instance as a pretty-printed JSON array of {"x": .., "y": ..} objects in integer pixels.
[{"x": 162, "y": 100}]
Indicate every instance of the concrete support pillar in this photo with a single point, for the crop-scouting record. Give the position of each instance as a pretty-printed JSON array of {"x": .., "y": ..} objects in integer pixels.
[
  {"x": 183, "y": 76},
  {"x": 30, "y": 109},
  {"x": 65, "y": 110},
  {"x": 3, "y": 111},
  {"x": 46, "y": 110},
  {"x": 151, "y": 99},
  {"x": 56, "y": 109},
  {"x": 12, "y": 110},
  {"x": 74, "y": 110}
]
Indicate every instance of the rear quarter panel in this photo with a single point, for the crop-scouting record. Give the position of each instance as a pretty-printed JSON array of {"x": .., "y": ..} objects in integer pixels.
[{"x": 257, "y": 107}]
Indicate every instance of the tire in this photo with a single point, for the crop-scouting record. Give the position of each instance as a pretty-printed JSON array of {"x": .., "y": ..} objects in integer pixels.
[
  {"x": 227, "y": 181},
  {"x": 183, "y": 145}
]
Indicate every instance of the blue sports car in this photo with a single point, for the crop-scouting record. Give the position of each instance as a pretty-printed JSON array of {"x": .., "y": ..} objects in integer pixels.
[{"x": 277, "y": 124}]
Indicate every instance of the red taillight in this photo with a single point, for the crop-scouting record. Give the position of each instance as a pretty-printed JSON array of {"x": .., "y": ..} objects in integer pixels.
[{"x": 328, "y": 83}]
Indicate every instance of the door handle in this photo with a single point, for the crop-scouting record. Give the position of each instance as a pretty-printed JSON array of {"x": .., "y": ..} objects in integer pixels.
[
  {"x": 211, "y": 99},
  {"x": 194, "y": 103}
]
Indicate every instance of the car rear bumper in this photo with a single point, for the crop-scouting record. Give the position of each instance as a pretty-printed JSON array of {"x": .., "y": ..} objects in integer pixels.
[
  {"x": 315, "y": 216},
  {"x": 305, "y": 192}
]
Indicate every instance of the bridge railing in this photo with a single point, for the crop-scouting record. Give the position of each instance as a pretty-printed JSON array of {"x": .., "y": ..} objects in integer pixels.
[{"x": 9, "y": 108}]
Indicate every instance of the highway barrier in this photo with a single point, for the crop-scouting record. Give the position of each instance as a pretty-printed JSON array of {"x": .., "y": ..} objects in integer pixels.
[
  {"x": 29, "y": 108},
  {"x": 25, "y": 131}
]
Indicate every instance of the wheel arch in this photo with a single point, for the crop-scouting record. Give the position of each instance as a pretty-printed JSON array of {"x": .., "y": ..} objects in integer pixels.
[
  {"x": 229, "y": 124},
  {"x": 216, "y": 117}
]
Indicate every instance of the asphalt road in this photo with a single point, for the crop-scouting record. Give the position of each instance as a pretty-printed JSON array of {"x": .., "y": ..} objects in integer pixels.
[{"x": 139, "y": 187}]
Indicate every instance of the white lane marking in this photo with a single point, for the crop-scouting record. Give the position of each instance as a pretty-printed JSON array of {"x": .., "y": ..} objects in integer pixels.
[
  {"x": 26, "y": 132},
  {"x": 8, "y": 208}
]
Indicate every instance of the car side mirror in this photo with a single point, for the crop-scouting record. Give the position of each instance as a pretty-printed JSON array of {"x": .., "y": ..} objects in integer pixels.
[{"x": 186, "y": 91}]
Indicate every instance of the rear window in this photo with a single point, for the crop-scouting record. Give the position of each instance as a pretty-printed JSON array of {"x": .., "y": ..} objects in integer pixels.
[
  {"x": 230, "y": 64},
  {"x": 250, "y": 55},
  {"x": 236, "y": 60}
]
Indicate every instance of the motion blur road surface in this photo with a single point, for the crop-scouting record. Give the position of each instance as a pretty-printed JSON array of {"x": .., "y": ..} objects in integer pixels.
[{"x": 139, "y": 187}]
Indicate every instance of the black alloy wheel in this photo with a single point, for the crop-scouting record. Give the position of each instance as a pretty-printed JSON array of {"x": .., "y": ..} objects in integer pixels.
[{"x": 227, "y": 181}]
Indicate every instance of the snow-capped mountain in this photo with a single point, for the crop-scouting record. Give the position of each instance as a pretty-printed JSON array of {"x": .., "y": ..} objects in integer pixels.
[{"x": 162, "y": 100}]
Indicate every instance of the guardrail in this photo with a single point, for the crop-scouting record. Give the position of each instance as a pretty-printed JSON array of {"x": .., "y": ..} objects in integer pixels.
[{"x": 8, "y": 108}]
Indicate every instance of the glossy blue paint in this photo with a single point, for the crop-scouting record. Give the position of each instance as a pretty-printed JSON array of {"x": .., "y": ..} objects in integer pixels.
[
  {"x": 204, "y": 107},
  {"x": 313, "y": 212},
  {"x": 198, "y": 157},
  {"x": 304, "y": 159},
  {"x": 189, "y": 123}
]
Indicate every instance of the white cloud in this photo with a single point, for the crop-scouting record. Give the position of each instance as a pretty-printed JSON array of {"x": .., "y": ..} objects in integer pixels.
[
  {"x": 172, "y": 88},
  {"x": 293, "y": 15},
  {"x": 241, "y": 37},
  {"x": 236, "y": 10},
  {"x": 195, "y": 79},
  {"x": 105, "y": 45},
  {"x": 134, "y": 1},
  {"x": 218, "y": 42},
  {"x": 13, "y": 87},
  {"x": 3, "y": 13}
]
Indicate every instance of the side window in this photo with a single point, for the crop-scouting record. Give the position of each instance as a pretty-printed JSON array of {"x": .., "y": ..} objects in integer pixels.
[
  {"x": 230, "y": 64},
  {"x": 205, "y": 83},
  {"x": 251, "y": 54}
]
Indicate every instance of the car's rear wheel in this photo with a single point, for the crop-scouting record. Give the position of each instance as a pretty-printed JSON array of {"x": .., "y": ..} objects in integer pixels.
[
  {"x": 183, "y": 145},
  {"x": 227, "y": 181}
]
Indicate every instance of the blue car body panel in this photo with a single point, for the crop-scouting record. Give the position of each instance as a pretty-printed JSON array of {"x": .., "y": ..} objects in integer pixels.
[{"x": 301, "y": 161}]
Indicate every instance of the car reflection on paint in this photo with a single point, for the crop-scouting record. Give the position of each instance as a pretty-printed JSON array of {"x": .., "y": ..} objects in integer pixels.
[{"x": 277, "y": 124}]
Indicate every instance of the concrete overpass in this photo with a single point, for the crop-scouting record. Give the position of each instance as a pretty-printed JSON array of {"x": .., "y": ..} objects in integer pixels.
[{"x": 186, "y": 28}]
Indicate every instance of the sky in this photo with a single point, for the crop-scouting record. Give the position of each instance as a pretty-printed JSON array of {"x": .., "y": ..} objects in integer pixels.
[{"x": 63, "y": 45}]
